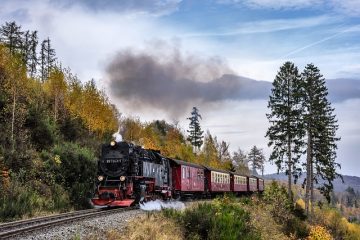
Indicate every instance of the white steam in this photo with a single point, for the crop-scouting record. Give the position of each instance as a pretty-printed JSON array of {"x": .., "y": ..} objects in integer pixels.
[
  {"x": 117, "y": 136},
  {"x": 158, "y": 205}
]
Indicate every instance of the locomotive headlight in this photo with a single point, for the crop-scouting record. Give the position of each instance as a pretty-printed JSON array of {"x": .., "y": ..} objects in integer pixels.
[
  {"x": 112, "y": 143},
  {"x": 122, "y": 178},
  {"x": 100, "y": 178}
]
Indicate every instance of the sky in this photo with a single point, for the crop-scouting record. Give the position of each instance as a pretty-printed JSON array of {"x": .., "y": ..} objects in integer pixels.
[{"x": 156, "y": 59}]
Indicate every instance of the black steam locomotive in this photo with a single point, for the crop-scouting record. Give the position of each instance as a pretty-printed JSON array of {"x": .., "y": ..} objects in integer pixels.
[{"x": 129, "y": 174}]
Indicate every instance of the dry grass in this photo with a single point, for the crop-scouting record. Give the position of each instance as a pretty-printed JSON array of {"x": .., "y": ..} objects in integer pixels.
[
  {"x": 263, "y": 222},
  {"x": 152, "y": 227}
]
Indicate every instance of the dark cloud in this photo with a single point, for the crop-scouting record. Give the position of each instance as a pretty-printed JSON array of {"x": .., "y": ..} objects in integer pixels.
[
  {"x": 174, "y": 83},
  {"x": 153, "y": 7}
]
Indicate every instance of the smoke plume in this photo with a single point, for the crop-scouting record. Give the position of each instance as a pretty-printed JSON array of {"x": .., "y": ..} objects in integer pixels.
[{"x": 163, "y": 78}]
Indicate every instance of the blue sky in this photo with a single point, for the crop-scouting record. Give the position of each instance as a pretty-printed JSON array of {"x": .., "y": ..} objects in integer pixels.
[{"x": 250, "y": 38}]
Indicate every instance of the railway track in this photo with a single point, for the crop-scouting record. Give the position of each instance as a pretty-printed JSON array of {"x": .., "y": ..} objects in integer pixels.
[{"x": 12, "y": 229}]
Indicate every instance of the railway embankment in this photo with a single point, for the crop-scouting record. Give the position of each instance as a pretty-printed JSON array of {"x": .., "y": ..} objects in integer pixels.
[{"x": 267, "y": 216}]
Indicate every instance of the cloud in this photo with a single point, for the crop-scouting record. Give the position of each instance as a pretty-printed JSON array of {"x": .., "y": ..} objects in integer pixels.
[
  {"x": 154, "y": 7},
  {"x": 349, "y": 7},
  {"x": 275, "y": 4},
  {"x": 268, "y": 26},
  {"x": 171, "y": 81}
]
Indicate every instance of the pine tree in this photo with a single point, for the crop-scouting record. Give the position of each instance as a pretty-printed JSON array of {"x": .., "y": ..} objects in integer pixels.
[
  {"x": 285, "y": 132},
  {"x": 11, "y": 36},
  {"x": 223, "y": 150},
  {"x": 240, "y": 162},
  {"x": 47, "y": 59},
  {"x": 257, "y": 159},
  {"x": 32, "y": 58},
  {"x": 195, "y": 132},
  {"x": 321, "y": 129}
]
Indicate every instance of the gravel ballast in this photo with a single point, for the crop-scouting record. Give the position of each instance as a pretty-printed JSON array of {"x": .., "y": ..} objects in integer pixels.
[{"x": 82, "y": 228}]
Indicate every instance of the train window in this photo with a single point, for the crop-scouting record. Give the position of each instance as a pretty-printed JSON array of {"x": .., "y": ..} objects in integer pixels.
[{"x": 183, "y": 172}]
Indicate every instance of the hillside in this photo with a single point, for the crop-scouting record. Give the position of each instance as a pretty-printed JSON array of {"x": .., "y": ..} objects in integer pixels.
[{"x": 339, "y": 186}]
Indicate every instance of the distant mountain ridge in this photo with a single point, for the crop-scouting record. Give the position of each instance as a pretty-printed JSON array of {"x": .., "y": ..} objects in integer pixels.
[
  {"x": 339, "y": 186},
  {"x": 340, "y": 89}
]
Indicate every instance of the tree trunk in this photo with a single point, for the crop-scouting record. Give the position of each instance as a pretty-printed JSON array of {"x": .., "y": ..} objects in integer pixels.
[
  {"x": 13, "y": 122},
  {"x": 289, "y": 169},
  {"x": 308, "y": 173},
  {"x": 312, "y": 188}
]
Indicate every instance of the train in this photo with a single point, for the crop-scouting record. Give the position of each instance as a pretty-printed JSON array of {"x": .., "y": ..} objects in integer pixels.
[{"x": 129, "y": 174}]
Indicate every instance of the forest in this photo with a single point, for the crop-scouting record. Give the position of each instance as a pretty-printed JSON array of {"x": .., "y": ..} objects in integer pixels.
[{"x": 53, "y": 124}]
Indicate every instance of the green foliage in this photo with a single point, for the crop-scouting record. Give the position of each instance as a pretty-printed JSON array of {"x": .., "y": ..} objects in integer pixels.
[
  {"x": 195, "y": 132},
  {"x": 74, "y": 168},
  {"x": 18, "y": 201},
  {"x": 223, "y": 219},
  {"x": 286, "y": 131},
  {"x": 42, "y": 129},
  {"x": 283, "y": 211},
  {"x": 25, "y": 198}
]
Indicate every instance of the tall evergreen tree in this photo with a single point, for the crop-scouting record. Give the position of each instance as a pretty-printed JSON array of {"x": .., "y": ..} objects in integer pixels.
[
  {"x": 223, "y": 150},
  {"x": 257, "y": 159},
  {"x": 321, "y": 127},
  {"x": 195, "y": 132},
  {"x": 32, "y": 58},
  {"x": 47, "y": 59},
  {"x": 286, "y": 132},
  {"x": 240, "y": 162},
  {"x": 11, "y": 36}
]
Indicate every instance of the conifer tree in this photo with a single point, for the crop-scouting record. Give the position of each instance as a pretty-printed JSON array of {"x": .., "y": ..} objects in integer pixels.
[
  {"x": 240, "y": 161},
  {"x": 32, "y": 58},
  {"x": 47, "y": 59},
  {"x": 11, "y": 36},
  {"x": 195, "y": 132},
  {"x": 321, "y": 127},
  {"x": 256, "y": 158},
  {"x": 286, "y": 132}
]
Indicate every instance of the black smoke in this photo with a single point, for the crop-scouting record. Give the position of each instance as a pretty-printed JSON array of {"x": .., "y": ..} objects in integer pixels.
[{"x": 174, "y": 83}]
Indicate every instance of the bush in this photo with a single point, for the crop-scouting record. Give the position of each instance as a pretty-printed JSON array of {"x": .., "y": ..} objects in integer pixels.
[
  {"x": 74, "y": 168},
  {"x": 276, "y": 196},
  {"x": 17, "y": 201},
  {"x": 319, "y": 233},
  {"x": 222, "y": 219}
]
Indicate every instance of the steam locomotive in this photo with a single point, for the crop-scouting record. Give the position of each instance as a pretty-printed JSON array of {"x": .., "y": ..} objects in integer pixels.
[{"x": 129, "y": 174}]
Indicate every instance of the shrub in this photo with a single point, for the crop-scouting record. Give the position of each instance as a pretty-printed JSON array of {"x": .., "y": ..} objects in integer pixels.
[
  {"x": 222, "y": 219},
  {"x": 74, "y": 168},
  {"x": 17, "y": 201},
  {"x": 276, "y": 196},
  {"x": 319, "y": 233}
]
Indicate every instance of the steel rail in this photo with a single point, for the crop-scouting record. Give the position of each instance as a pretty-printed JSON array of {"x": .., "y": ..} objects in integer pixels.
[{"x": 21, "y": 227}]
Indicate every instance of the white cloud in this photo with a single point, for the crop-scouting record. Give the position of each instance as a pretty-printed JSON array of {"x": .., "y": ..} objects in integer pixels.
[
  {"x": 349, "y": 7},
  {"x": 268, "y": 26},
  {"x": 276, "y": 4}
]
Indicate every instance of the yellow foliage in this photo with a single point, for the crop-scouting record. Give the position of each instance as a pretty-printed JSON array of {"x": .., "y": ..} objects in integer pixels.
[
  {"x": 300, "y": 204},
  {"x": 319, "y": 233},
  {"x": 92, "y": 106}
]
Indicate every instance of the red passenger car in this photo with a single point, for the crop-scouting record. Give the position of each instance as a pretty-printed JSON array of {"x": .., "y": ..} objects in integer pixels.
[
  {"x": 187, "y": 178},
  {"x": 261, "y": 185},
  {"x": 253, "y": 184},
  {"x": 217, "y": 181},
  {"x": 238, "y": 183}
]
